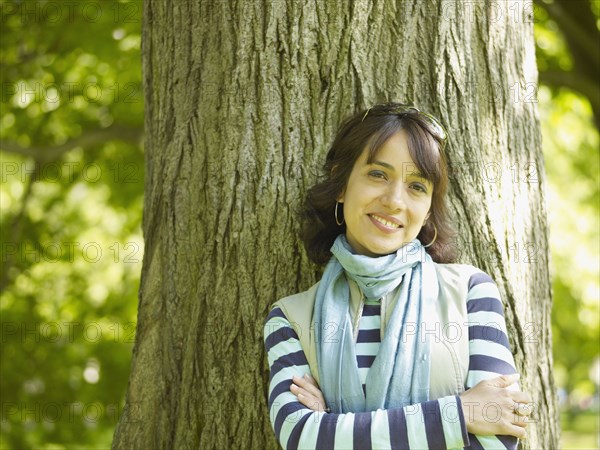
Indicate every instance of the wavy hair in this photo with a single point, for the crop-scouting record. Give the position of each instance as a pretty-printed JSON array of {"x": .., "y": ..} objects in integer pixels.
[{"x": 369, "y": 130}]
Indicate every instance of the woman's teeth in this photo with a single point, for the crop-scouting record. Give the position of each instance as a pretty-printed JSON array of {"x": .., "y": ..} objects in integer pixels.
[{"x": 387, "y": 223}]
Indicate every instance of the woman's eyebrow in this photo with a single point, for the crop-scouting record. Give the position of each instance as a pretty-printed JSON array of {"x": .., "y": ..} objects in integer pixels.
[
  {"x": 417, "y": 174},
  {"x": 408, "y": 168},
  {"x": 383, "y": 164}
]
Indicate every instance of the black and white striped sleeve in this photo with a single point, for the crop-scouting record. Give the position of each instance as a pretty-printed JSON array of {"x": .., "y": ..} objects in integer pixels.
[
  {"x": 435, "y": 424},
  {"x": 489, "y": 349}
]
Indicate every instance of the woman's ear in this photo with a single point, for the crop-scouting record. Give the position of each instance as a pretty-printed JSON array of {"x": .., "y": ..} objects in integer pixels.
[{"x": 339, "y": 198}]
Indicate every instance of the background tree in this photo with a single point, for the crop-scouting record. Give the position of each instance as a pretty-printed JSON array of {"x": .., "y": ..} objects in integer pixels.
[
  {"x": 71, "y": 202},
  {"x": 578, "y": 67},
  {"x": 241, "y": 101},
  {"x": 68, "y": 70},
  {"x": 568, "y": 58}
]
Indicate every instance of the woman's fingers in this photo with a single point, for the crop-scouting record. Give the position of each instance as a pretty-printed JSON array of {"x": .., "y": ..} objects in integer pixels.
[
  {"x": 490, "y": 407},
  {"x": 520, "y": 424},
  {"x": 521, "y": 420},
  {"x": 504, "y": 381},
  {"x": 303, "y": 396},
  {"x": 520, "y": 397},
  {"x": 310, "y": 402},
  {"x": 522, "y": 405},
  {"x": 517, "y": 431},
  {"x": 307, "y": 382},
  {"x": 308, "y": 394},
  {"x": 523, "y": 409}
]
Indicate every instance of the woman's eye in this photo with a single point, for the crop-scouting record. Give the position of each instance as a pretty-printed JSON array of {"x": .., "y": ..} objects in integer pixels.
[
  {"x": 377, "y": 174},
  {"x": 419, "y": 187}
]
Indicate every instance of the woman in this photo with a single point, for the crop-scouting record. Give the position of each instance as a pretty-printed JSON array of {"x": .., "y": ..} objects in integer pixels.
[{"x": 379, "y": 353}]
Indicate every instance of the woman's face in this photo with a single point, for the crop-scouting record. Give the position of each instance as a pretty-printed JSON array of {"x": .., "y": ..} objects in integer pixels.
[{"x": 386, "y": 202}]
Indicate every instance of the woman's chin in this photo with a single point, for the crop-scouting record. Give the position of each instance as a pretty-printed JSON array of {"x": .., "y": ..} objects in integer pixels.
[{"x": 376, "y": 250}]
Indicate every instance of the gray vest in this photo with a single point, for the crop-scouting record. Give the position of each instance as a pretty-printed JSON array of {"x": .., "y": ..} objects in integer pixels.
[{"x": 448, "y": 331}]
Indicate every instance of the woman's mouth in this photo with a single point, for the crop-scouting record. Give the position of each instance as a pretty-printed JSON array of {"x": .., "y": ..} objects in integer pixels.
[{"x": 388, "y": 225}]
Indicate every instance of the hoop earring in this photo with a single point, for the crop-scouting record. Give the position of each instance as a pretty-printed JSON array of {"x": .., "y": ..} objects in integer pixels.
[
  {"x": 339, "y": 224},
  {"x": 434, "y": 236}
]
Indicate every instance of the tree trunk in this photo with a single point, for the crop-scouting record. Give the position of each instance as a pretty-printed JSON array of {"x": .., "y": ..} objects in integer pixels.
[{"x": 242, "y": 100}]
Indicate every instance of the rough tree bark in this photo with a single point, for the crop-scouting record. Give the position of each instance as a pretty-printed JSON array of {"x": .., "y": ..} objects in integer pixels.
[{"x": 242, "y": 99}]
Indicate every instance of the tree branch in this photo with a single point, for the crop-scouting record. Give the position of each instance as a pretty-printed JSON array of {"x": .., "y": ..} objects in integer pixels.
[
  {"x": 42, "y": 155},
  {"x": 89, "y": 138},
  {"x": 577, "y": 23},
  {"x": 573, "y": 30},
  {"x": 575, "y": 81},
  {"x": 16, "y": 228}
]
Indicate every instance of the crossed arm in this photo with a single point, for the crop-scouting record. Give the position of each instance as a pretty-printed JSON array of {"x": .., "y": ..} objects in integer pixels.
[{"x": 297, "y": 407}]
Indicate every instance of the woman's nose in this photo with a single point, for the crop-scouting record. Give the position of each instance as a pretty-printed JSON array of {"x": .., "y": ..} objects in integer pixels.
[{"x": 393, "y": 197}]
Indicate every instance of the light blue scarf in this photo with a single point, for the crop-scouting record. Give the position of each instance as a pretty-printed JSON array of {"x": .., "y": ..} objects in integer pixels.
[{"x": 399, "y": 375}]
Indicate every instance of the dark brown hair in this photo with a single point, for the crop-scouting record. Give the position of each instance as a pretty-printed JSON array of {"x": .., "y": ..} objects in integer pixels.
[{"x": 371, "y": 129}]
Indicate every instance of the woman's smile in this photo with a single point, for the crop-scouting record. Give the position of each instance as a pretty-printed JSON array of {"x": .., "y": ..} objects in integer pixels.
[
  {"x": 386, "y": 201},
  {"x": 387, "y": 225}
]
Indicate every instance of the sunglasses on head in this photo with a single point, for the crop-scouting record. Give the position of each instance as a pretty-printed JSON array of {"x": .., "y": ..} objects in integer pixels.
[{"x": 399, "y": 109}]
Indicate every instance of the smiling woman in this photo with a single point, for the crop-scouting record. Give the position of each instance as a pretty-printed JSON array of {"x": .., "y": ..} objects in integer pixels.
[
  {"x": 361, "y": 143},
  {"x": 354, "y": 361},
  {"x": 387, "y": 201}
]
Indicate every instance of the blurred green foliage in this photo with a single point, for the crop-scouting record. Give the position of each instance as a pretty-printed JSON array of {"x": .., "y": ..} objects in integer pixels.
[
  {"x": 581, "y": 432},
  {"x": 71, "y": 196},
  {"x": 571, "y": 148}
]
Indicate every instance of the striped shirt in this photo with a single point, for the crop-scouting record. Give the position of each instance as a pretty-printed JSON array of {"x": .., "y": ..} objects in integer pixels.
[
  {"x": 434, "y": 424},
  {"x": 368, "y": 340}
]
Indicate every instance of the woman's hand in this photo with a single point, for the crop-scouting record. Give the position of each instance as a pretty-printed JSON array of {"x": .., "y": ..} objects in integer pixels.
[
  {"x": 489, "y": 408},
  {"x": 308, "y": 393}
]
